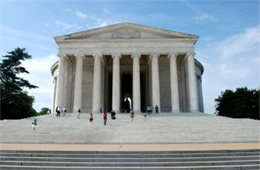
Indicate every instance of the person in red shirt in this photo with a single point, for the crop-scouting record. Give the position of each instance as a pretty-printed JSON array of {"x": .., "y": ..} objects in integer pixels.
[
  {"x": 91, "y": 117},
  {"x": 105, "y": 118}
]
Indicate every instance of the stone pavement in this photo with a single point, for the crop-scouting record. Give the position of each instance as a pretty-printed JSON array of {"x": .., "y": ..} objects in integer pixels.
[
  {"x": 130, "y": 147},
  {"x": 165, "y": 128}
]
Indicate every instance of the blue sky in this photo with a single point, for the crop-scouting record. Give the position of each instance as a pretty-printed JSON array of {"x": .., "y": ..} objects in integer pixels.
[{"x": 228, "y": 46}]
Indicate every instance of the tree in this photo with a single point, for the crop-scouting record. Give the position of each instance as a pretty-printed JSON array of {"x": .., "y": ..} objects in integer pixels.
[
  {"x": 44, "y": 111},
  {"x": 243, "y": 103},
  {"x": 15, "y": 102}
]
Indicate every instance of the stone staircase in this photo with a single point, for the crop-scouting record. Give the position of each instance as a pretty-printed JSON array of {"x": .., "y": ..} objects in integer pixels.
[
  {"x": 179, "y": 160},
  {"x": 163, "y": 128}
]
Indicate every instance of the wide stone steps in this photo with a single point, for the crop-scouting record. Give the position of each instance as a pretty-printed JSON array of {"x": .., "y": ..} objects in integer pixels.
[
  {"x": 239, "y": 159},
  {"x": 62, "y": 159}
]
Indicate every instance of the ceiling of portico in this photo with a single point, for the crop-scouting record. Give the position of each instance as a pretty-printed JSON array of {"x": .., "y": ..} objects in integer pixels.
[{"x": 125, "y": 31}]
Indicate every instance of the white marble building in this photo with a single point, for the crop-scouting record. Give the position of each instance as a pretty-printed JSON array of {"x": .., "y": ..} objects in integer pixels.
[{"x": 99, "y": 68}]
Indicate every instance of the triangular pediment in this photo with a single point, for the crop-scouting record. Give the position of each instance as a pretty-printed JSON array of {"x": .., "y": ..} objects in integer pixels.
[{"x": 125, "y": 31}]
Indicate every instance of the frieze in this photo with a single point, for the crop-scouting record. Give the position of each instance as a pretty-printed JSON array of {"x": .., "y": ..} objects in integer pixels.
[{"x": 126, "y": 34}]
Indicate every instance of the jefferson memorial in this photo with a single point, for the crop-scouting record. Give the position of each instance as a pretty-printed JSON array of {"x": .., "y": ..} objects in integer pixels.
[{"x": 100, "y": 69}]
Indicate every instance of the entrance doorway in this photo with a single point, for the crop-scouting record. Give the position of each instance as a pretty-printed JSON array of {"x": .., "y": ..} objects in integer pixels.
[{"x": 126, "y": 92}]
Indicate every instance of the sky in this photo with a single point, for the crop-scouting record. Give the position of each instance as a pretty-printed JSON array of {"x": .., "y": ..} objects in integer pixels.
[{"x": 228, "y": 30}]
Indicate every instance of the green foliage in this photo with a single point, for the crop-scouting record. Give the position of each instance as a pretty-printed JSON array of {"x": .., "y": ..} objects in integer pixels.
[
  {"x": 44, "y": 111},
  {"x": 243, "y": 103},
  {"x": 15, "y": 103}
]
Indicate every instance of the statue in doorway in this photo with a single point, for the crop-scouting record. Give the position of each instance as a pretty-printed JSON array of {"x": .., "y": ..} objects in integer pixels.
[{"x": 127, "y": 104}]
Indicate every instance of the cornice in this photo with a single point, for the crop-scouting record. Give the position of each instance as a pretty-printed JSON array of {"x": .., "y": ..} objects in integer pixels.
[{"x": 91, "y": 41}]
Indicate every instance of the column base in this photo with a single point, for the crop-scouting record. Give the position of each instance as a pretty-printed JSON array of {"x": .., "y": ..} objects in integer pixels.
[
  {"x": 194, "y": 111},
  {"x": 117, "y": 111},
  {"x": 175, "y": 111},
  {"x": 137, "y": 111},
  {"x": 75, "y": 110},
  {"x": 95, "y": 111}
]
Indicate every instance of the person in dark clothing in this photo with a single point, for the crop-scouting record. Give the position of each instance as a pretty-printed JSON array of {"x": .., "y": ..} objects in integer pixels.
[
  {"x": 132, "y": 115},
  {"x": 113, "y": 115},
  {"x": 156, "y": 109}
]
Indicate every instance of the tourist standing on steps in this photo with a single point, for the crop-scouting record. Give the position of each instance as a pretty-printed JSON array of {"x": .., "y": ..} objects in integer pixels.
[
  {"x": 58, "y": 111},
  {"x": 105, "y": 118},
  {"x": 156, "y": 109},
  {"x": 79, "y": 113},
  {"x": 113, "y": 115},
  {"x": 91, "y": 117},
  {"x": 132, "y": 115},
  {"x": 34, "y": 124}
]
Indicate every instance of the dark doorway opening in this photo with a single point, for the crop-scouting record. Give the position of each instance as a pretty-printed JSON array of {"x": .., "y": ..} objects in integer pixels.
[
  {"x": 143, "y": 91},
  {"x": 108, "y": 93},
  {"x": 126, "y": 92}
]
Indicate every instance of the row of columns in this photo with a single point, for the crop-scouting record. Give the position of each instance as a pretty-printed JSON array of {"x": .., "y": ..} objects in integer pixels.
[{"x": 96, "y": 102}]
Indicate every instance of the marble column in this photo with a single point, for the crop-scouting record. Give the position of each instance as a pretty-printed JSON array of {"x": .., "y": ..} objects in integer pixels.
[
  {"x": 136, "y": 82},
  {"x": 192, "y": 84},
  {"x": 54, "y": 98},
  {"x": 78, "y": 81},
  {"x": 96, "y": 103},
  {"x": 65, "y": 83},
  {"x": 116, "y": 82},
  {"x": 61, "y": 67},
  {"x": 174, "y": 82},
  {"x": 155, "y": 81}
]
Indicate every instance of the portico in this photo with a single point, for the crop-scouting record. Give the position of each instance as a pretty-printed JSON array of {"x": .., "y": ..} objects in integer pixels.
[{"x": 157, "y": 68}]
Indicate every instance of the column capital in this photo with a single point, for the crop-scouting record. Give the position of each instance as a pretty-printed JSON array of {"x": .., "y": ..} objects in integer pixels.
[
  {"x": 80, "y": 54},
  {"x": 97, "y": 54},
  {"x": 173, "y": 54},
  {"x": 116, "y": 54},
  {"x": 190, "y": 53},
  {"x": 155, "y": 54},
  {"x": 61, "y": 54},
  {"x": 136, "y": 54}
]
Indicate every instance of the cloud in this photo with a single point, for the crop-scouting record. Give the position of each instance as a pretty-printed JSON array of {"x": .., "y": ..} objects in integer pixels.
[
  {"x": 40, "y": 76},
  {"x": 77, "y": 13},
  {"x": 227, "y": 72},
  {"x": 256, "y": 60},
  {"x": 241, "y": 43},
  {"x": 33, "y": 42},
  {"x": 189, "y": 5},
  {"x": 65, "y": 25},
  {"x": 26, "y": 34},
  {"x": 93, "y": 20},
  {"x": 230, "y": 63},
  {"x": 82, "y": 21},
  {"x": 81, "y": 14},
  {"x": 106, "y": 10},
  {"x": 204, "y": 17}
]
